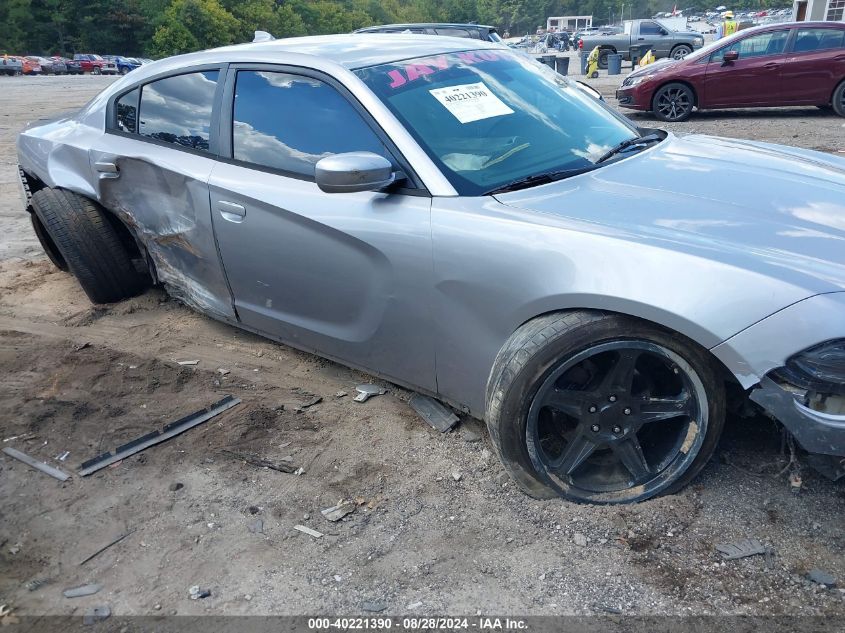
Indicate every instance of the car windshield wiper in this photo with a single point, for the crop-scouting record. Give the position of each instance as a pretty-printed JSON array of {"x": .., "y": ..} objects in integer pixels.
[
  {"x": 631, "y": 142},
  {"x": 538, "y": 179}
]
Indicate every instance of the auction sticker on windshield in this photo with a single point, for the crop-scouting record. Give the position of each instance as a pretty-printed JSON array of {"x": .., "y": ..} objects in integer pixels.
[{"x": 471, "y": 102}]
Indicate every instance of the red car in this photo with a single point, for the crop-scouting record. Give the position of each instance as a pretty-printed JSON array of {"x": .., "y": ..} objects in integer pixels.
[
  {"x": 95, "y": 64},
  {"x": 792, "y": 64}
]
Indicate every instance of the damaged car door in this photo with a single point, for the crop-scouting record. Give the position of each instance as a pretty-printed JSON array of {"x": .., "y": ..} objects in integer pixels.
[
  {"x": 344, "y": 274},
  {"x": 152, "y": 168}
]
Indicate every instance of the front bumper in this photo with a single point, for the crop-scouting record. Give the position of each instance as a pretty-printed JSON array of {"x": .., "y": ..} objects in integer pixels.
[
  {"x": 816, "y": 432},
  {"x": 628, "y": 98}
]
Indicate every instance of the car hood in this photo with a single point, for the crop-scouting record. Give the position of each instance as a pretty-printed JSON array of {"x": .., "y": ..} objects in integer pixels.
[
  {"x": 661, "y": 65},
  {"x": 774, "y": 209}
]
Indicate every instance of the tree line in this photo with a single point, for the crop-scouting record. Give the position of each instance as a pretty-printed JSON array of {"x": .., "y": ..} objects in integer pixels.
[{"x": 158, "y": 28}]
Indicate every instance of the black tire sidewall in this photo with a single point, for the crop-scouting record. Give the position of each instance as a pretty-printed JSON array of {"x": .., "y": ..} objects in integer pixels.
[
  {"x": 507, "y": 422},
  {"x": 668, "y": 86},
  {"x": 836, "y": 101}
]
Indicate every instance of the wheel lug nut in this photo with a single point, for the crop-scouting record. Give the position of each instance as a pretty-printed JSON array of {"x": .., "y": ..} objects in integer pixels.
[
  {"x": 627, "y": 411},
  {"x": 617, "y": 429},
  {"x": 595, "y": 428},
  {"x": 612, "y": 398},
  {"x": 592, "y": 408}
]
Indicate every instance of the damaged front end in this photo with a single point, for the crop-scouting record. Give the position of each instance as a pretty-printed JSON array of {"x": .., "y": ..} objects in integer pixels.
[{"x": 807, "y": 396}]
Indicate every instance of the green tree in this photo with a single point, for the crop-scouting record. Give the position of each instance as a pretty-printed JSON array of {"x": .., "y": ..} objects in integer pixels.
[{"x": 190, "y": 25}]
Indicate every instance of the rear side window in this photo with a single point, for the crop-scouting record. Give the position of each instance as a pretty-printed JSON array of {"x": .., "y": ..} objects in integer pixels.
[
  {"x": 178, "y": 109},
  {"x": 126, "y": 111},
  {"x": 650, "y": 28},
  {"x": 453, "y": 32},
  {"x": 809, "y": 40},
  {"x": 289, "y": 122}
]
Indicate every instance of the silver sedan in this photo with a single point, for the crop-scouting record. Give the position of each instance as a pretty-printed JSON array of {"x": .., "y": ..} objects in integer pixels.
[{"x": 458, "y": 219}]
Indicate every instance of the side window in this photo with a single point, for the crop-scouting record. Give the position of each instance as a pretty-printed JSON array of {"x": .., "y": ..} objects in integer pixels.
[
  {"x": 770, "y": 43},
  {"x": 178, "y": 109},
  {"x": 126, "y": 111},
  {"x": 452, "y": 32},
  {"x": 650, "y": 28},
  {"x": 289, "y": 122},
  {"x": 808, "y": 40}
]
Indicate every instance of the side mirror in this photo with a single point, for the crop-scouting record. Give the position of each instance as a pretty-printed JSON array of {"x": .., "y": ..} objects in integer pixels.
[
  {"x": 353, "y": 171},
  {"x": 730, "y": 57}
]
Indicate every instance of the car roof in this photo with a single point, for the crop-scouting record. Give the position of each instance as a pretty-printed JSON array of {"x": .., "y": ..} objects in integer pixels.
[
  {"x": 426, "y": 25},
  {"x": 351, "y": 50}
]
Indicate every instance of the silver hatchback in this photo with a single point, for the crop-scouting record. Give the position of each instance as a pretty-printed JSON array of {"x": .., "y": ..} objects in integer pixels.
[{"x": 456, "y": 218}]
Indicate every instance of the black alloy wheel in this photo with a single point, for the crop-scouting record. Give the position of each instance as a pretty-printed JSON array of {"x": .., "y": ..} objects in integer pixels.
[
  {"x": 673, "y": 103},
  {"x": 617, "y": 422}
]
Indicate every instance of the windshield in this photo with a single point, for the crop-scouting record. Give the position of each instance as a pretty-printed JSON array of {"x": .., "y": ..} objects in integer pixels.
[{"x": 490, "y": 117}]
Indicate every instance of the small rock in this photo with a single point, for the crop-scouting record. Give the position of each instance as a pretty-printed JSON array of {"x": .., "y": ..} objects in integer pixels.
[
  {"x": 247, "y": 597},
  {"x": 176, "y": 486},
  {"x": 84, "y": 590},
  {"x": 580, "y": 540},
  {"x": 413, "y": 605},
  {"x": 306, "y": 516},
  {"x": 341, "y": 394},
  {"x": 157, "y": 607},
  {"x": 336, "y": 513},
  {"x": 456, "y": 476},
  {"x": 821, "y": 577},
  {"x": 374, "y": 607},
  {"x": 253, "y": 509},
  {"x": 338, "y": 577},
  {"x": 222, "y": 371}
]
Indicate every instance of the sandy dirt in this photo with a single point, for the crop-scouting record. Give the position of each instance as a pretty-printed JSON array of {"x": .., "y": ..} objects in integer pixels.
[{"x": 438, "y": 528}]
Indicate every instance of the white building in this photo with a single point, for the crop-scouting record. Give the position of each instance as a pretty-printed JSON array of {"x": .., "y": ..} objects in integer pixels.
[
  {"x": 569, "y": 23},
  {"x": 821, "y": 10}
]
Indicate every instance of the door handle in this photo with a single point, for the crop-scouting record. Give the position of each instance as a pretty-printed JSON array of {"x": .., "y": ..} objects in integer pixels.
[
  {"x": 231, "y": 211},
  {"x": 107, "y": 169},
  {"x": 770, "y": 66}
]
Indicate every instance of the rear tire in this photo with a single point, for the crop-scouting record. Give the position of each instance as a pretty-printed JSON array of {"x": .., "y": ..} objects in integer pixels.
[
  {"x": 681, "y": 51},
  {"x": 550, "y": 348},
  {"x": 89, "y": 243},
  {"x": 838, "y": 100},
  {"x": 47, "y": 243},
  {"x": 603, "y": 55}
]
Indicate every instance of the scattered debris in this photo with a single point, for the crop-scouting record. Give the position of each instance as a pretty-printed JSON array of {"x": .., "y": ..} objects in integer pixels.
[
  {"x": 256, "y": 527},
  {"x": 14, "y": 549},
  {"x": 579, "y": 539},
  {"x": 299, "y": 471},
  {"x": 281, "y": 466},
  {"x": 82, "y": 346},
  {"x": 741, "y": 549},
  {"x": 433, "y": 412},
  {"x": 340, "y": 394},
  {"x": 821, "y": 577},
  {"x": 311, "y": 402},
  {"x": 795, "y": 482},
  {"x": 84, "y": 590},
  {"x": 374, "y": 607},
  {"x": 63, "y": 456},
  {"x": 308, "y": 531},
  {"x": 96, "y": 614},
  {"x": 187, "y": 362},
  {"x": 336, "y": 513},
  {"x": 222, "y": 371},
  {"x": 413, "y": 605},
  {"x": 456, "y": 476},
  {"x": 105, "y": 547},
  {"x": 253, "y": 509},
  {"x": 155, "y": 437},
  {"x": 34, "y": 463},
  {"x": 36, "y": 584},
  {"x": 365, "y": 392},
  {"x": 198, "y": 594},
  {"x": 176, "y": 486}
]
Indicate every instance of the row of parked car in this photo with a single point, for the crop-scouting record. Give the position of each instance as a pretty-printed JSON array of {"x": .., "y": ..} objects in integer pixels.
[{"x": 80, "y": 64}]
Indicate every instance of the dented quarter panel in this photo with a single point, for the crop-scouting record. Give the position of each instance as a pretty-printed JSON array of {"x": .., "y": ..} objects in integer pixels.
[{"x": 163, "y": 196}]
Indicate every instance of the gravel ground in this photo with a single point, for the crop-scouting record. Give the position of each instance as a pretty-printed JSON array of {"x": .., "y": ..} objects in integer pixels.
[{"x": 437, "y": 528}]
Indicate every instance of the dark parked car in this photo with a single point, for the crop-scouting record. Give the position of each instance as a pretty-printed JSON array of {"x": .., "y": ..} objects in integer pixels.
[
  {"x": 791, "y": 64},
  {"x": 73, "y": 67},
  {"x": 473, "y": 31}
]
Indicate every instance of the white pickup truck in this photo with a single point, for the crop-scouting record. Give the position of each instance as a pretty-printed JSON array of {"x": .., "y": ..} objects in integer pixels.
[{"x": 642, "y": 36}]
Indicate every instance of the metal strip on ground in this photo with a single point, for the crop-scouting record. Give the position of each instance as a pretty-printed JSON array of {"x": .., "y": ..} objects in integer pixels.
[
  {"x": 34, "y": 463},
  {"x": 433, "y": 412},
  {"x": 156, "y": 437}
]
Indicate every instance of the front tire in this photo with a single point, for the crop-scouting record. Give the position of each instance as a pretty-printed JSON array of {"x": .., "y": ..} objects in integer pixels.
[
  {"x": 838, "y": 100},
  {"x": 90, "y": 244},
  {"x": 679, "y": 52},
  {"x": 673, "y": 103},
  {"x": 602, "y": 408}
]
